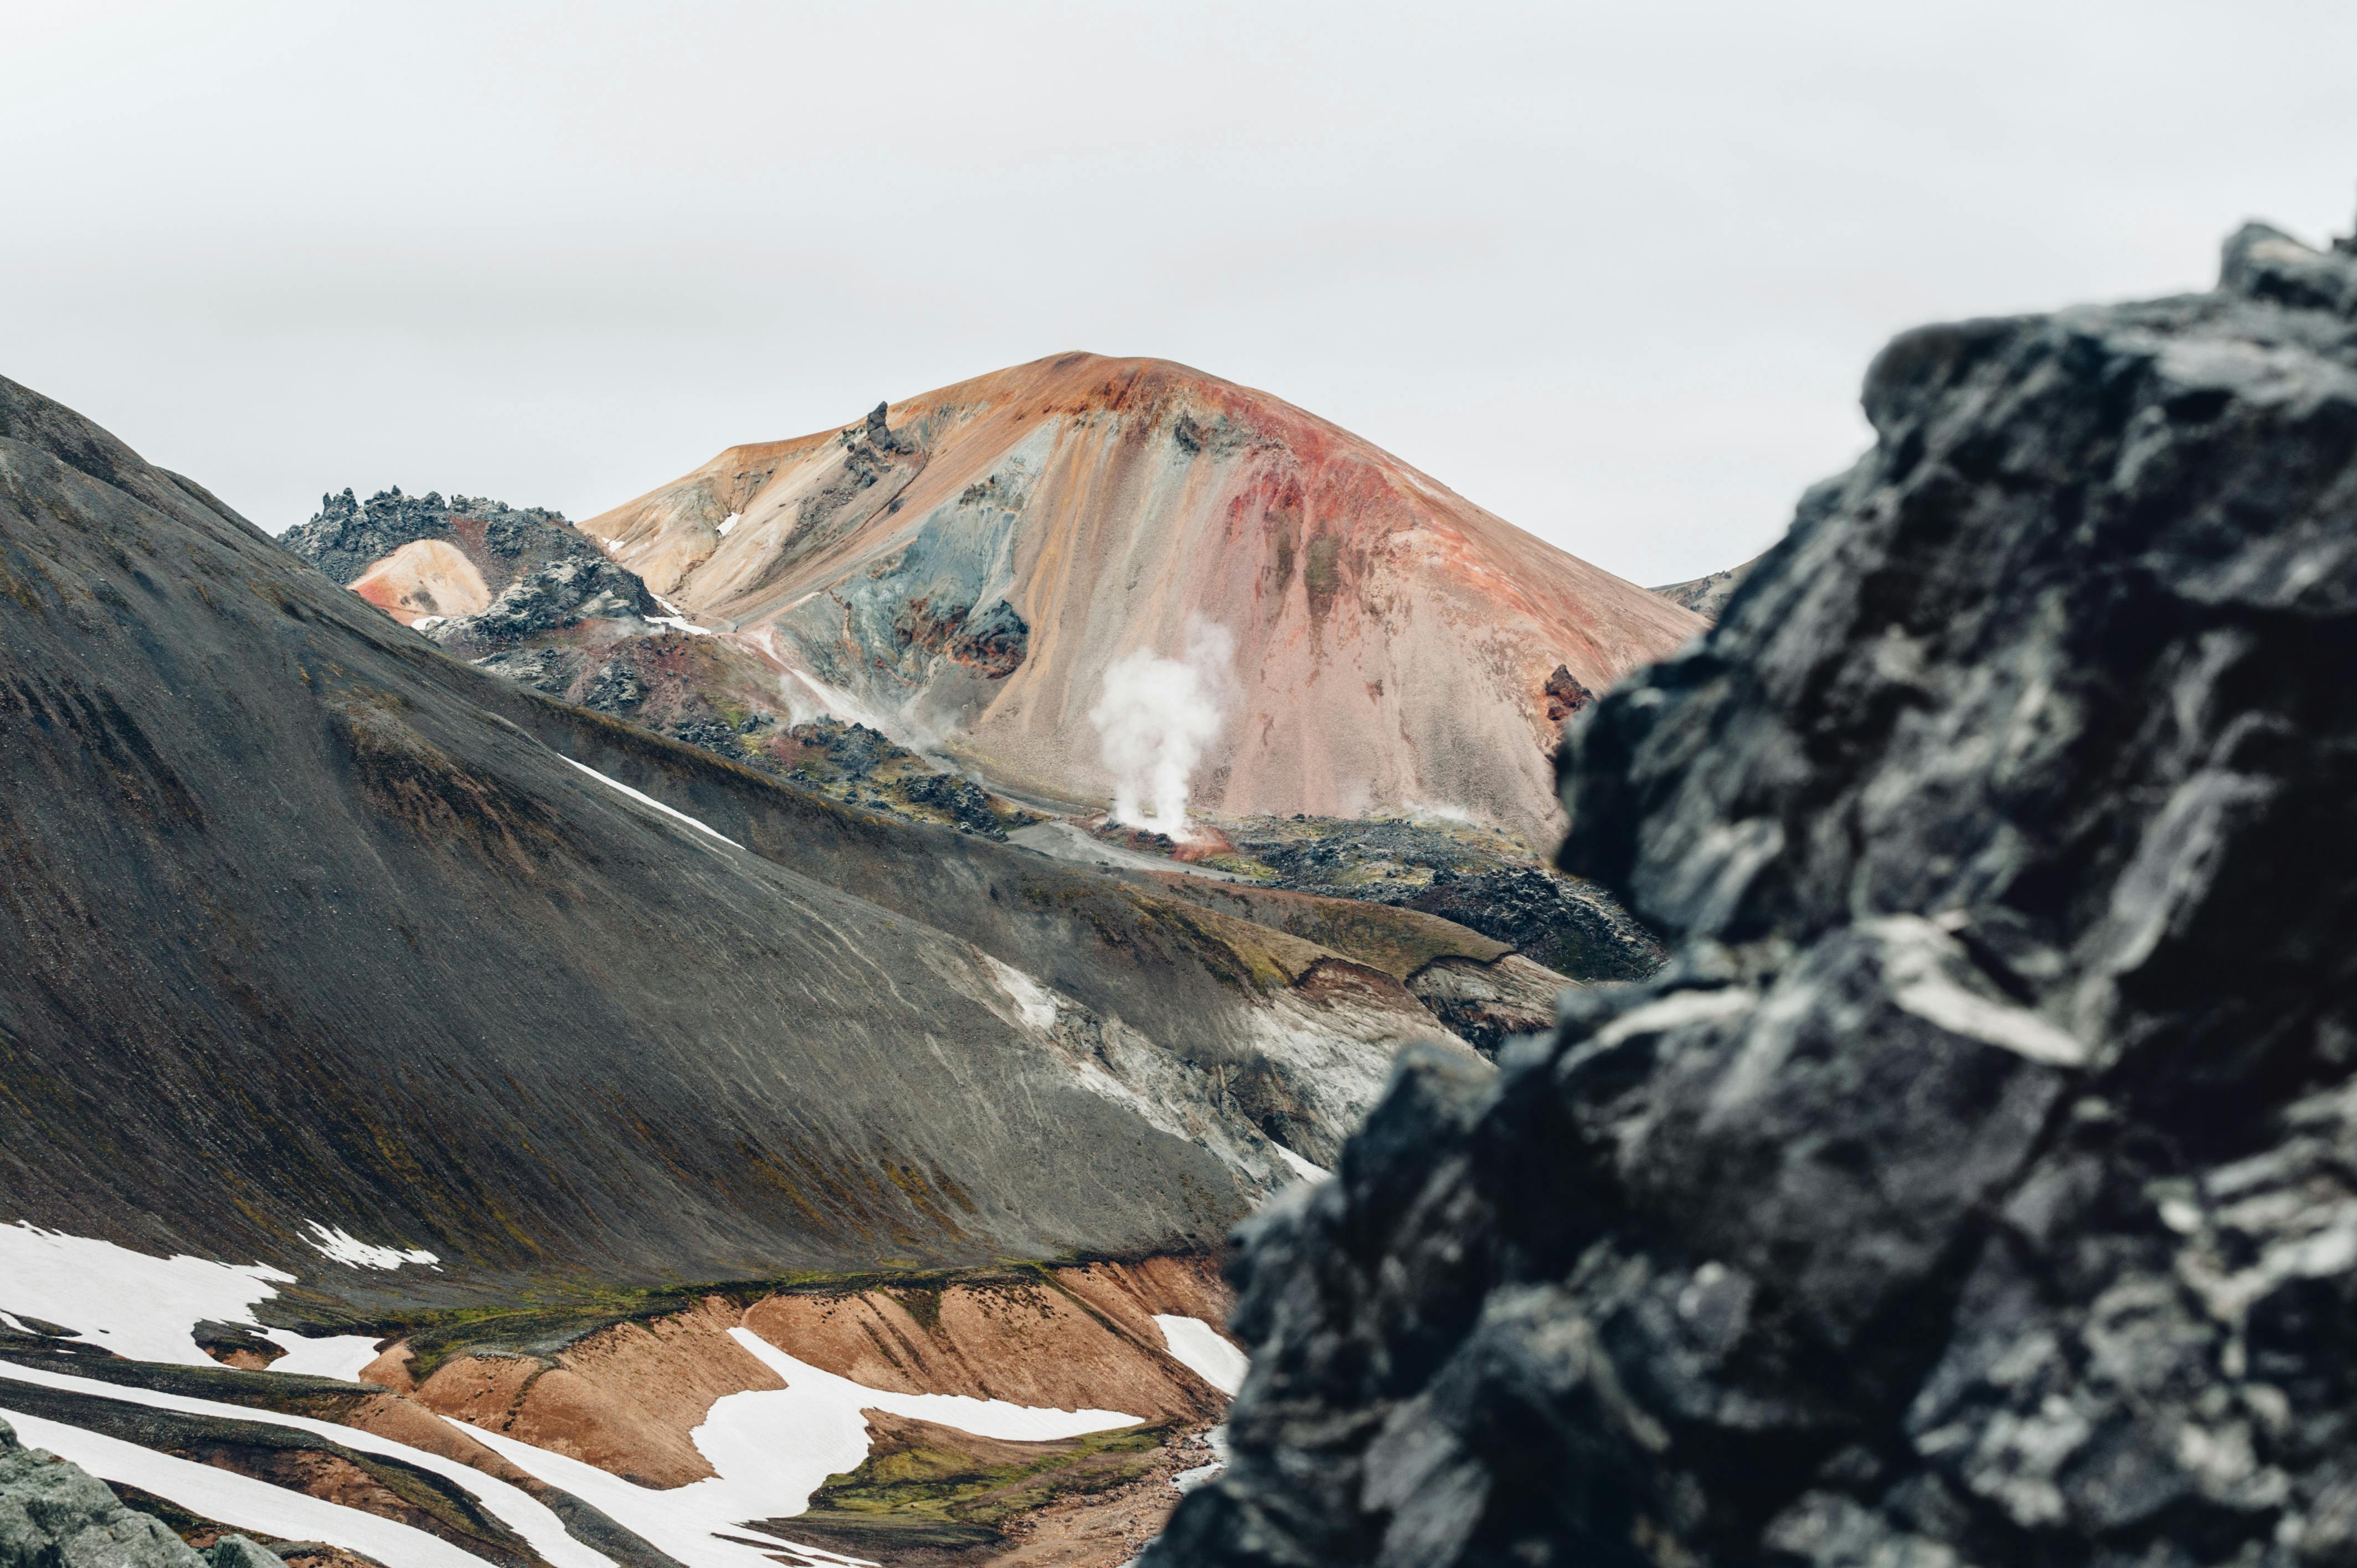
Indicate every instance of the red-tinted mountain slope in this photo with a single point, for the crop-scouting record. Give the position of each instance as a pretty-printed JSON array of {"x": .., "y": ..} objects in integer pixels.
[{"x": 971, "y": 566}]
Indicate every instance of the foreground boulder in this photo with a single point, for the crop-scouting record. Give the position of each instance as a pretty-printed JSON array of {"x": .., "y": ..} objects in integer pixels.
[
  {"x": 53, "y": 1512},
  {"x": 1978, "y": 1182}
]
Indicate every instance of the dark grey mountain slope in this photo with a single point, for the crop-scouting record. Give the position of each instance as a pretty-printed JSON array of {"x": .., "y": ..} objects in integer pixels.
[
  {"x": 1978, "y": 1183},
  {"x": 304, "y": 921}
]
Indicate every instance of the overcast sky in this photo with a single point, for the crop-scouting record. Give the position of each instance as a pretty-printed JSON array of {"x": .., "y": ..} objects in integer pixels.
[{"x": 1611, "y": 271}]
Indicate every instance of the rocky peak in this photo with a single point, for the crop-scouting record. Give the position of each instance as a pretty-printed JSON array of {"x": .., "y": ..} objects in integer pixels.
[{"x": 347, "y": 536}]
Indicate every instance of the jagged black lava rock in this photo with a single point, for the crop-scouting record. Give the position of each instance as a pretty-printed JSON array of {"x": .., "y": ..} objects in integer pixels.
[
  {"x": 347, "y": 535},
  {"x": 1977, "y": 1184},
  {"x": 545, "y": 573},
  {"x": 1570, "y": 929},
  {"x": 562, "y": 593},
  {"x": 964, "y": 803}
]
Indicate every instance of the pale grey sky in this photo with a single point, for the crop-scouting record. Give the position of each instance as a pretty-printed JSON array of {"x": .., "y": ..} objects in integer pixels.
[{"x": 1610, "y": 271}]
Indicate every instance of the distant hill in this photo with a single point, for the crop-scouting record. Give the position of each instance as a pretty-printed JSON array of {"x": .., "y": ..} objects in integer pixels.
[{"x": 973, "y": 565}]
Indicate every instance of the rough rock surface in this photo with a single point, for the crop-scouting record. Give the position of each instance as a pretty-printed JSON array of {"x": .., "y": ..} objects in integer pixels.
[
  {"x": 55, "y": 1514},
  {"x": 1974, "y": 1185},
  {"x": 546, "y": 576},
  {"x": 1488, "y": 1003},
  {"x": 1569, "y": 927},
  {"x": 1706, "y": 596},
  {"x": 1476, "y": 877},
  {"x": 557, "y": 594}
]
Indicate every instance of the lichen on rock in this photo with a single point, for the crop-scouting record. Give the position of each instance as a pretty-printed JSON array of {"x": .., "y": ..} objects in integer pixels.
[{"x": 55, "y": 1514}]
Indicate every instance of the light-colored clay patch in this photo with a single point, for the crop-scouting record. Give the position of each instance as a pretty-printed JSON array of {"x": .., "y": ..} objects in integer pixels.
[{"x": 425, "y": 577}]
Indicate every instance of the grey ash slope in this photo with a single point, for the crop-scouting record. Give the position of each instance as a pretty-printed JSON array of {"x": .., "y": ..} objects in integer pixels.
[
  {"x": 305, "y": 921},
  {"x": 1975, "y": 1186}
]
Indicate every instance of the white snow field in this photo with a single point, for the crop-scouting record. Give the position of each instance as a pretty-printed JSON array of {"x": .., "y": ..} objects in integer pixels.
[
  {"x": 1204, "y": 1351},
  {"x": 772, "y": 1447},
  {"x": 146, "y": 1308}
]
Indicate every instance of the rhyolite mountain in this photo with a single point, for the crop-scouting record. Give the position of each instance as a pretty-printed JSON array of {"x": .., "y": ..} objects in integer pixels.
[
  {"x": 969, "y": 564},
  {"x": 1974, "y": 1185}
]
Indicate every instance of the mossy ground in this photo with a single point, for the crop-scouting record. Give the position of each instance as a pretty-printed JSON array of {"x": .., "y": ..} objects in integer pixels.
[{"x": 921, "y": 1488}]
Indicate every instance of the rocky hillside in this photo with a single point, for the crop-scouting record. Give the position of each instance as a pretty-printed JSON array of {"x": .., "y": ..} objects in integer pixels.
[
  {"x": 1973, "y": 1185},
  {"x": 1708, "y": 595},
  {"x": 970, "y": 568},
  {"x": 314, "y": 925},
  {"x": 474, "y": 573}
]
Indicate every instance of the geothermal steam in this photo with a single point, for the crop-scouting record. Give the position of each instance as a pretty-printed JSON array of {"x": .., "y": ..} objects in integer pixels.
[{"x": 1156, "y": 717}]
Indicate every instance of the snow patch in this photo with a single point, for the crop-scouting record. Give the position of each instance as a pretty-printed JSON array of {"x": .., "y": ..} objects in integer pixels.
[
  {"x": 426, "y": 623},
  {"x": 530, "y": 1517},
  {"x": 338, "y": 1356},
  {"x": 147, "y": 1309},
  {"x": 1204, "y": 1351},
  {"x": 240, "y": 1500},
  {"x": 680, "y": 623},
  {"x": 137, "y": 1306},
  {"x": 731, "y": 520},
  {"x": 617, "y": 785},
  {"x": 1034, "y": 1002},
  {"x": 1297, "y": 1165},
  {"x": 341, "y": 1246},
  {"x": 772, "y": 1448}
]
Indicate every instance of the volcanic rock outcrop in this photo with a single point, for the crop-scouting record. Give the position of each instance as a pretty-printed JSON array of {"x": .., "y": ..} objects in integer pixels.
[
  {"x": 968, "y": 565},
  {"x": 1974, "y": 1185},
  {"x": 1708, "y": 595},
  {"x": 474, "y": 575},
  {"x": 53, "y": 1513}
]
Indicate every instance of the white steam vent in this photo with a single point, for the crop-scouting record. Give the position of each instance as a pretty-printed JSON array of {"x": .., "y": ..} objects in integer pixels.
[{"x": 1158, "y": 717}]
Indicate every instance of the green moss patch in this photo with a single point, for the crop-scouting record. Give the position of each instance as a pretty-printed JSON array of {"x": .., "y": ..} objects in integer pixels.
[{"x": 927, "y": 1488}]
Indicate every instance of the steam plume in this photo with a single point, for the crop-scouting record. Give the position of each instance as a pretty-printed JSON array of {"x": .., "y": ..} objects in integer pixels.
[{"x": 1155, "y": 717}]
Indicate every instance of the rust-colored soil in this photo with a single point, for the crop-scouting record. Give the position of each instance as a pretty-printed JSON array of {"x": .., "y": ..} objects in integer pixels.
[
  {"x": 625, "y": 1399},
  {"x": 628, "y": 1397},
  {"x": 1084, "y": 1337}
]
